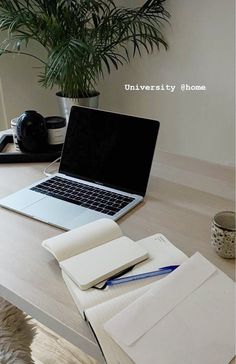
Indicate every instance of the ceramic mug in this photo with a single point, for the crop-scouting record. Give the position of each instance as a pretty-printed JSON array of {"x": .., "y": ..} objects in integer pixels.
[{"x": 223, "y": 234}]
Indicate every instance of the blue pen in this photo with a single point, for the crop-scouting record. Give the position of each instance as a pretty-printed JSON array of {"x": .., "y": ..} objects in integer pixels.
[{"x": 158, "y": 272}]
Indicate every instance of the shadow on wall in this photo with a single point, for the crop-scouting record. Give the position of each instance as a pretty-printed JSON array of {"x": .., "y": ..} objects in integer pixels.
[
  {"x": 19, "y": 88},
  {"x": 3, "y": 116}
]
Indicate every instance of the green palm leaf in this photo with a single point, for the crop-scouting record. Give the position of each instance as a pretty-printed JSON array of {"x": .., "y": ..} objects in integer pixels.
[{"x": 82, "y": 38}]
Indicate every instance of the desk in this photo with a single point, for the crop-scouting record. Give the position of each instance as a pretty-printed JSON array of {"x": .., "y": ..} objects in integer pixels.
[{"x": 182, "y": 197}]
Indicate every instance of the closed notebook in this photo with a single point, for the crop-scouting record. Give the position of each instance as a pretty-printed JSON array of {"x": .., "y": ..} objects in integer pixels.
[
  {"x": 97, "y": 264},
  {"x": 94, "y": 252}
]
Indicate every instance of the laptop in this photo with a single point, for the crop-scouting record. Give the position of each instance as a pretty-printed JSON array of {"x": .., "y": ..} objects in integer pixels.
[{"x": 103, "y": 172}]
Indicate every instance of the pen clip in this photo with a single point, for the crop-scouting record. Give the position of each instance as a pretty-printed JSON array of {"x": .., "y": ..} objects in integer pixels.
[{"x": 172, "y": 267}]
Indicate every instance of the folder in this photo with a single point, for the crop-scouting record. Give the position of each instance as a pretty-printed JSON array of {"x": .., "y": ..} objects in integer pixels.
[{"x": 186, "y": 318}]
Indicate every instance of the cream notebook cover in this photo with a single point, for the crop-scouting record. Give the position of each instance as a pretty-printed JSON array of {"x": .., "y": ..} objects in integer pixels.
[{"x": 98, "y": 264}]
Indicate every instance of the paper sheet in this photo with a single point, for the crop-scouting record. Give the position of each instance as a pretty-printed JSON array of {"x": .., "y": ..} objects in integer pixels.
[{"x": 187, "y": 319}]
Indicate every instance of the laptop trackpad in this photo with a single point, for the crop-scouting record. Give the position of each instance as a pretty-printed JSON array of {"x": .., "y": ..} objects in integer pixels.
[
  {"x": 54, "y": 211},
  {"x": 21, "y": 199}
]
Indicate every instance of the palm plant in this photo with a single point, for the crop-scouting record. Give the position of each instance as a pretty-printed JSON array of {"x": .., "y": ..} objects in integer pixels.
[{"x": 82, "y": 38}]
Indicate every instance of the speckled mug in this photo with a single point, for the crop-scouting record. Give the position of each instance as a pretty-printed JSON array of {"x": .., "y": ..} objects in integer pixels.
[{"x": 223, "y": 234}]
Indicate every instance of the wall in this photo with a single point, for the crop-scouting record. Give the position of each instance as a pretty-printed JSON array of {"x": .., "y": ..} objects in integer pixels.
[
  {"x": 201, "y": 52},
  {"x": 19, "y": 88}
]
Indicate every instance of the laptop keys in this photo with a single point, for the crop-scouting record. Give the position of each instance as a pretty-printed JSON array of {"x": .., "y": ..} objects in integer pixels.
[{"x": 86, "y": 196}]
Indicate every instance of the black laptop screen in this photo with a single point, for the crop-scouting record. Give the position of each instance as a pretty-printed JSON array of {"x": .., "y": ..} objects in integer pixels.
[{"x": 110, "y": 149}]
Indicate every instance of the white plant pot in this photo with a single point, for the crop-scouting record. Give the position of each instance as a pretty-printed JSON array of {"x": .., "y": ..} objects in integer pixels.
[{"x": 65, "y": 103}]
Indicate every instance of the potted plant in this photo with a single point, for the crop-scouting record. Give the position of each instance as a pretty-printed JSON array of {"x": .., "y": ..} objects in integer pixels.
[{"x": 82, "y": 39}]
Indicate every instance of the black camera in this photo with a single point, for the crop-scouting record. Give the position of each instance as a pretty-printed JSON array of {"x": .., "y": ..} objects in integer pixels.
[{"x": 32, "y": 133}]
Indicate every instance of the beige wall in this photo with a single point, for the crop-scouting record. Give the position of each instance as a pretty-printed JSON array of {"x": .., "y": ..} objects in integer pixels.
[
  {"x": 197, "y": 124},
  {"x": 19, "y": 89},
  {"x": 201, "y": 40}
]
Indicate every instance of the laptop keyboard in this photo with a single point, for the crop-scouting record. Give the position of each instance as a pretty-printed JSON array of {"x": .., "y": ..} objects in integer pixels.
[{"x": 81, "y": 194}]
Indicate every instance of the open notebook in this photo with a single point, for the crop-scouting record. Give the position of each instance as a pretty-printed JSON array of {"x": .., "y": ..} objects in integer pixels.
[
  {"x": 186, "y": 316},
  {"x": 161, "y": 253}
]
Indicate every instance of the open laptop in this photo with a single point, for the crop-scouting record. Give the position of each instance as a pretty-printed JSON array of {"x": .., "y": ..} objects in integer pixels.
[{"x": 104, "y": 171}]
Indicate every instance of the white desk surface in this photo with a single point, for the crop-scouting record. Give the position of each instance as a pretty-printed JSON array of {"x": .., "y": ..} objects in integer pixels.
[{"x": 182, "y": 197}]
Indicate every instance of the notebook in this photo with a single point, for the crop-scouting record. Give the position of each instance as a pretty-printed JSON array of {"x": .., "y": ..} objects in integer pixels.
[
  {"x": 104, "y": 171},
  {"x": 95, "y": 252},
  {"x": 190, "y": 311},
  {"x": 98, "y": 306}
]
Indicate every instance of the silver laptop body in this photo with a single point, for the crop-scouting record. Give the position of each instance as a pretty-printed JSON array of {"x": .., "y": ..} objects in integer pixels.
[{"x": 104, "y": 171}]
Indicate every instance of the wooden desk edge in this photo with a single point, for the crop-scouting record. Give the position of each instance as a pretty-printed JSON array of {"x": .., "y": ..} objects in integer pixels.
[{"x": 91, "y": 348}]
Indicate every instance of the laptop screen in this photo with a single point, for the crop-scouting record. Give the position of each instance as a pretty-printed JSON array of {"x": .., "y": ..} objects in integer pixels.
[{"x": 111, "y": 149}]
